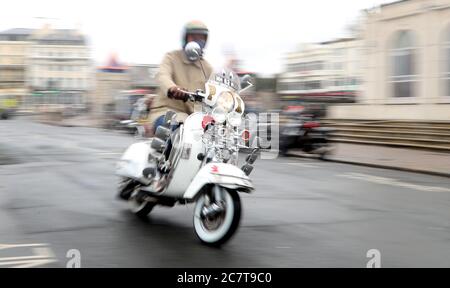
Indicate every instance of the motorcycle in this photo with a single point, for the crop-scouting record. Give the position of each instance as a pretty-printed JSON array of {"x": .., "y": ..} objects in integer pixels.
[
  {"x": 195, "y": 160},
  {"x": 137, "y": 124},
  {"x": 133, "y": 127},
  {"x": 300, "y": 130}
]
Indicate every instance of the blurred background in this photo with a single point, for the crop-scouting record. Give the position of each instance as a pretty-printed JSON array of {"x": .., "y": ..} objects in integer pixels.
[
  {"x": 374, "y": 73},
  {"x": 361, "y": 61}
]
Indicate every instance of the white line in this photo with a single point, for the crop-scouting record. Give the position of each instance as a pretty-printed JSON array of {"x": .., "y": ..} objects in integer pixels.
[
  {"x": 5, "y": 259},
  {"x": 393, "y": 182},
  {"x": 43, "y": 255},
  {"x": 109, "y": 153},
  {"x": 29, "y": 263},
  {"x": 305, "y": 165},
  {"x": 40, "y": 252},
  {"x": 8, "y": 246}
]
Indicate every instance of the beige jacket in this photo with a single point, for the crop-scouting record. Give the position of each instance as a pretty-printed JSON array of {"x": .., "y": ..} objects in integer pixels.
[{"x": 177, "y": 70}]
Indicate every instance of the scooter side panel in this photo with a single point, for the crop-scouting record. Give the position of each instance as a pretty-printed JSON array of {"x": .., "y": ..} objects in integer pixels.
[
  {"x": 187, "y": 165},
  {"x": 134, "y": 160}
]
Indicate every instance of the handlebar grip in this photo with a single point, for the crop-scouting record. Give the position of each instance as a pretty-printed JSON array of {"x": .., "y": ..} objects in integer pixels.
[
  {"x": 188, "y": 96},
  {"x": 170, "y": 95}
]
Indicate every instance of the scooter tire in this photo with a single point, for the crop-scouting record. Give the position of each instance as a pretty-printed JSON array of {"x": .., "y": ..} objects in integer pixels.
[{"x": 222, "y": 238}]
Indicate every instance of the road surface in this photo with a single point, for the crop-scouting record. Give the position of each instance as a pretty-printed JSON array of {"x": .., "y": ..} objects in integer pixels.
[{"x": 57, "y": 199}]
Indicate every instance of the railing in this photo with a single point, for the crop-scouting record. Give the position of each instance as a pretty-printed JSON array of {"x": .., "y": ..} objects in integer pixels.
[{"x": 429, "y": 135}]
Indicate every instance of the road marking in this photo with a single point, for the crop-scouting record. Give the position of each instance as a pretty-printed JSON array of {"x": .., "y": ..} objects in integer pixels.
[
  {"x": 42, "y": 255},
  {"x": 9, "y": 246},
  {"x": 304, "y": 165},
  {"x": 109, "y": 153},
  {"x": 393, "y": 182},
  {"x": 27, "y": 263}
]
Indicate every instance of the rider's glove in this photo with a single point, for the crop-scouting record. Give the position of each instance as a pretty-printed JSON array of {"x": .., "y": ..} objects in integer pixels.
[{"x": 177, "y": 93}]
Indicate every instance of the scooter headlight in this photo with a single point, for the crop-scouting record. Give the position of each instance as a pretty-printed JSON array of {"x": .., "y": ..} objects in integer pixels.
[
  {"x": 219, "y": 114},
  {"x": 234, "y": 118},
  {"x": 225, "y": 101}
]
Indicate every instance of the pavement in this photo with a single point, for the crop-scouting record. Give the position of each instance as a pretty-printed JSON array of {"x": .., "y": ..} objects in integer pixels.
[
  {"x": 403, "y": 159},
  {"x": 58, "y": 199}
]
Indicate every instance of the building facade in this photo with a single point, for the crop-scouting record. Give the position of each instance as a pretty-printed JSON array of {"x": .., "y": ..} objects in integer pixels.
[
  {"x": 406, "y": 67},
  {"x": 143, "y": 76},
  {"x": 14, "y": 47},
  {"x": 110, "y": 81},
  {"x": 328, "y": 71},
  {"x": 59, "y": 67}
]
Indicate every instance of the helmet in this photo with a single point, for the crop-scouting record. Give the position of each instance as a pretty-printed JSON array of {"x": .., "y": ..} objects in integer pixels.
[{"x": 194, "y": 27}]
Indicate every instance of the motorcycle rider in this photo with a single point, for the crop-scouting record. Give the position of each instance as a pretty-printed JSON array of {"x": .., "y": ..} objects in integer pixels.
[{"x": 178, "y": 73}]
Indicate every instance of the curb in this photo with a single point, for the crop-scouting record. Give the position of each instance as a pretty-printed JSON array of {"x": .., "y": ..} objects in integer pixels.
[
  {"x": 62, "y": 124},
  {"x": 380, "y": 166}
]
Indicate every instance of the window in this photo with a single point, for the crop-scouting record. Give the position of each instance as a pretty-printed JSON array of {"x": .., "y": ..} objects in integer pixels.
[
  {"x": 283, "y": 86},
  {"x": 306, "y": 66},
  {"x": 446, "y": 66},
  {"x": 340, "y": 52},
  {"x": 403, "y": 73},
  {"x": 313, "y": 85},
  {"x": 338, "y": 66}
]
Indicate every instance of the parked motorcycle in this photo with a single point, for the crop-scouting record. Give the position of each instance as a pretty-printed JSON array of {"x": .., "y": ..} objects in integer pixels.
[
  {"x": 195, "y": 160},
  {"x": 137, "y": 124},
  {"x": 301, "y": 130}
]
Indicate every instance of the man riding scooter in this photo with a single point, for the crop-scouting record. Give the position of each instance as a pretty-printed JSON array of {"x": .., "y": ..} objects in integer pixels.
[{"x": 177, "y": 74}]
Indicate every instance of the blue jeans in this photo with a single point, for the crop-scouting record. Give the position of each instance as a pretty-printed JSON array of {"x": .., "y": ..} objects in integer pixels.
[{"x": 158, "y": 122}]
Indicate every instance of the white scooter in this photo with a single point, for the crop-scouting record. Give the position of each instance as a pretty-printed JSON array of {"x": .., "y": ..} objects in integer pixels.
[{"x": 195, "y": 161}]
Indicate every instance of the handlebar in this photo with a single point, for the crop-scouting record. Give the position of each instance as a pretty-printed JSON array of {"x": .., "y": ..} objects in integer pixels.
[{"x": 194, "y": 97}]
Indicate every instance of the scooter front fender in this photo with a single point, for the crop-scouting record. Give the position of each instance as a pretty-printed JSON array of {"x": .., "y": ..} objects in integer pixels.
[{"x": 222, "y": 174}]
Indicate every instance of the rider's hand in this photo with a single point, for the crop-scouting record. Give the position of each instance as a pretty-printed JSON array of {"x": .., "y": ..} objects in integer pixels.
[{"x": 177, "y": 93}]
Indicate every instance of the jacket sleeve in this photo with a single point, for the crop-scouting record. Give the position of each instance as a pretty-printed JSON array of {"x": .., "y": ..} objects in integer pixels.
[
  {"x": 164, "y": 78},
  {"x": 208, "y": 69}
]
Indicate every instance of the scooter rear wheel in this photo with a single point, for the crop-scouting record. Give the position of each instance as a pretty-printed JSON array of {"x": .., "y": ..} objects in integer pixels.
[{"x": 139, "y": 206}]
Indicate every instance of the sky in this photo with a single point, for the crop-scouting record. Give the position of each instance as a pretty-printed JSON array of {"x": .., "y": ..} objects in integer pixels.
[{"x": 142, "y": 31}]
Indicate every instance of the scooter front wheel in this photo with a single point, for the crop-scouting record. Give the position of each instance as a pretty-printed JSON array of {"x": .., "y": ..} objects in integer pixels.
[{"x": 217, "y": 229}]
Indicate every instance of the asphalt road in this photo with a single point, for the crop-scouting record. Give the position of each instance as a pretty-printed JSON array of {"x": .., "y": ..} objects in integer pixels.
[{"x": 58, "y": 188}]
